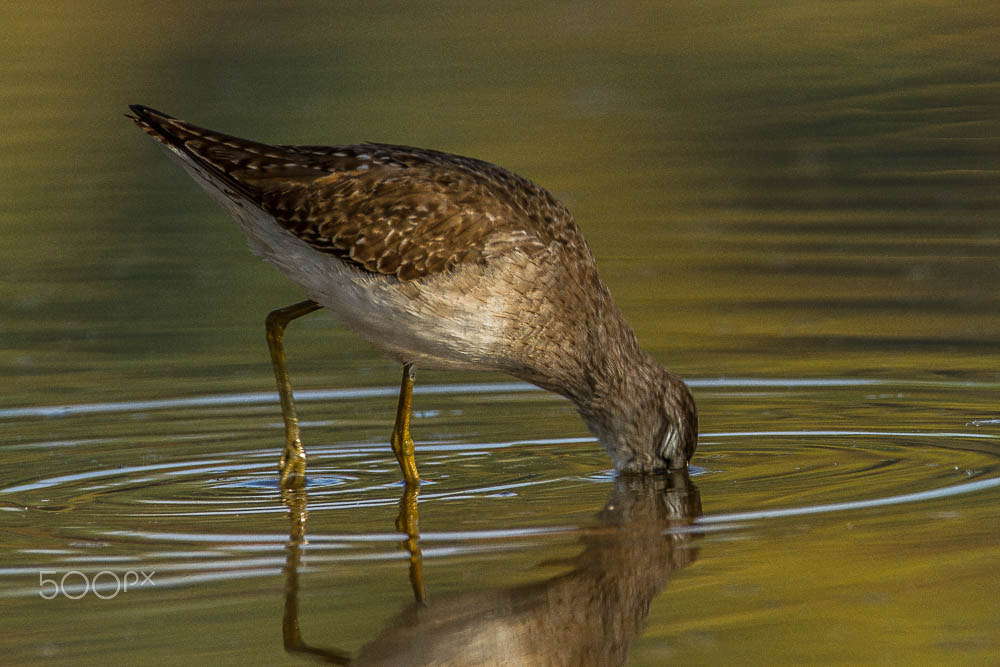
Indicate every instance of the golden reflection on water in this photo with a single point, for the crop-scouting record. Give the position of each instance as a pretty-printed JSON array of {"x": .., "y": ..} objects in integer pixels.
[
  {"x": 206, "y": 515},
  {"x": 771, "y": 191},
  {"x": 587, "y": 615}
]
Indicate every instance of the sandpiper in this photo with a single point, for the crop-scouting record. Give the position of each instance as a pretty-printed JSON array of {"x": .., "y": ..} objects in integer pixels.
[{"x": 440, "y": 261}]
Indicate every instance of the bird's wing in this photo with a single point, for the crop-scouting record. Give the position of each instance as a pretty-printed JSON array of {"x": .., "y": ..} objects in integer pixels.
[{"x": 392, "y": 210}]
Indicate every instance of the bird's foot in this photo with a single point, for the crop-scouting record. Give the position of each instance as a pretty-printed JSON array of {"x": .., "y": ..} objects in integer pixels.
[{"x": 292, "y": 467}]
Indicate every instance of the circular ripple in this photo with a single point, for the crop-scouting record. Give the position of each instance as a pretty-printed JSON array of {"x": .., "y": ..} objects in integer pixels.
[{"x": 203, "y": 486}]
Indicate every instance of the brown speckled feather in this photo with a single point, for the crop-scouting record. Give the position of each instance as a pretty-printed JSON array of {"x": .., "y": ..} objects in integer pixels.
[{"x": 391, "y": 210}]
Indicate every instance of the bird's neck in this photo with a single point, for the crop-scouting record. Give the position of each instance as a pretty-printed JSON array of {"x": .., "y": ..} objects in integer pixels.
[{"x": 622, "y": 377}]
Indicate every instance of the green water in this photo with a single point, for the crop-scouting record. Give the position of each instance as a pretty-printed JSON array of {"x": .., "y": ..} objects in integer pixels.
[{"x": 797, "y": 208}]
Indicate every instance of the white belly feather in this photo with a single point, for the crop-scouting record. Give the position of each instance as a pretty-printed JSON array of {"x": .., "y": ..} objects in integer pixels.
[{"x": 422, "y": 321}]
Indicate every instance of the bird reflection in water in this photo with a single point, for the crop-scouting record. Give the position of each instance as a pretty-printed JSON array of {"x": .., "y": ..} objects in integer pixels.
[{"x": 587, "y": 616}]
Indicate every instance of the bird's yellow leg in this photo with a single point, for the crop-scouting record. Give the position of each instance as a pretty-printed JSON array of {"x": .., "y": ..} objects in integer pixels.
[
  {"x": 402, "y": 446},
  {"x": 402, "y": 443},
  {"x": 293, "y": 459}
]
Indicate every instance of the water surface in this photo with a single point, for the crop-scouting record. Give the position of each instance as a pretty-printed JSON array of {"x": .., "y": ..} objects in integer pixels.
[{"x": 796, "y": 208}]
